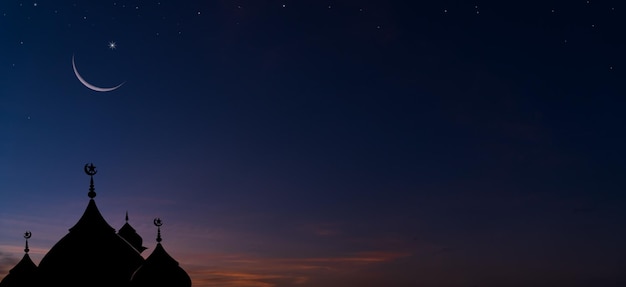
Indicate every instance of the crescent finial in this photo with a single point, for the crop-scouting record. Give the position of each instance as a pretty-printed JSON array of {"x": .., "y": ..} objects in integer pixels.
[
  {"x": 27, "y": 235},
  {"x": 157, "y": 222},
  {"x": 91, "y": 170}
]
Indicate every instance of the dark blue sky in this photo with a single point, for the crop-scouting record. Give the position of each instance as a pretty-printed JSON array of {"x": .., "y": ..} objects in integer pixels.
[{"x": 307, "y": 143}]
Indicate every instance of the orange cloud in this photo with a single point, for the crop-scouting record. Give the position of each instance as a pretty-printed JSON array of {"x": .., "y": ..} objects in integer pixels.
[
  {"x": 7, "y": 261},
  {"x": 242, "y": 270}
]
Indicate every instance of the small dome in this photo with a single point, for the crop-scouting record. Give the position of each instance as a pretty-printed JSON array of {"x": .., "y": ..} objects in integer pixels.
[
  {"x": 160, "y": 269},
  {"x": 22, "y": 275}
]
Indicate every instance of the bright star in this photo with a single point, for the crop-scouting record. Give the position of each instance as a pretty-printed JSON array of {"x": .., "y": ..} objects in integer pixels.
[{"x": 112, "y": 45}]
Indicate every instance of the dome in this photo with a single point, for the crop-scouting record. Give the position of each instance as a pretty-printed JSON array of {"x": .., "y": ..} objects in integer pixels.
[
  {"x": 160, "y": 269},
  {"x": 22, "y": 274},
  {"x": 91, "y": 254}
]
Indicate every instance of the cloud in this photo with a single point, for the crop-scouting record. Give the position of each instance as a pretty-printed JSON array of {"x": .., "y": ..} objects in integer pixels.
[
  {"x": 7, "y": 261},
  {"x": 323, "y": 229},
  {"x": 225, "y": 278},
  {"x": 244, "y": 270},
  {"x": 16, "y": 250}
]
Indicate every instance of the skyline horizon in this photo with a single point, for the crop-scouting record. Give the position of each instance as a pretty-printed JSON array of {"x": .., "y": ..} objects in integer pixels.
[
  {"x": 286, "y": 143},
  {"x": 12, "y": 253}
]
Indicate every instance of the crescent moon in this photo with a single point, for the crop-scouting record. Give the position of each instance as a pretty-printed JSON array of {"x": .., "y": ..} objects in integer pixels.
[{"x": 90, "y": 86}]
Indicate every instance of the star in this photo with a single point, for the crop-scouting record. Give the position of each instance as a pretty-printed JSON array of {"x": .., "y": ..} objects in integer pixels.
[{"x": 112, "y": 45}]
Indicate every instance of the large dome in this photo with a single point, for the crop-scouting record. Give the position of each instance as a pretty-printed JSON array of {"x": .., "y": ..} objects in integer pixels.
[{"x": 91, "y": 254}]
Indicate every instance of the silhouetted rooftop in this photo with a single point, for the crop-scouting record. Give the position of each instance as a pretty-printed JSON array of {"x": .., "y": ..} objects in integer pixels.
[
  {"x": 130, "y": 235},
  {"x": 22, "y": 275},
  {"x": 160, "y": 269},
  {"x": 92, "y": 254}
]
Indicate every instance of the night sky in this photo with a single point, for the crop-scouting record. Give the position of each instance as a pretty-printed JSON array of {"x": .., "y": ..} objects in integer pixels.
[{"x": 325, "y": 143}]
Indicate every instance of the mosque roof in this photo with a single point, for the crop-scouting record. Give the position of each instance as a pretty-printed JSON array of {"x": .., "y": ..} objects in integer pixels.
[
  {"x": 23, "y": 273},
  {"x": 160, "y": 269},
  {"x": 130, "y": 235},
  {"x": 91, "y": 254}
]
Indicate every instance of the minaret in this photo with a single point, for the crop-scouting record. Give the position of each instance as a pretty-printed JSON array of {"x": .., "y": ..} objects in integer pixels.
[
  {"x": 23, "y": 274},
  {"x": 130, "y": 235},
  {"x": 160, "y": 269}
]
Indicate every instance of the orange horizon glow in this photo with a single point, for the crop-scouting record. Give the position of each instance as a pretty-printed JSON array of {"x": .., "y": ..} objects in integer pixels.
[{"x": 243, "y": 270}]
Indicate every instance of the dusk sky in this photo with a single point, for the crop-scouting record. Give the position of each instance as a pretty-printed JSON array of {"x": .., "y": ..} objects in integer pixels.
[{"x": 290, "y": 143}]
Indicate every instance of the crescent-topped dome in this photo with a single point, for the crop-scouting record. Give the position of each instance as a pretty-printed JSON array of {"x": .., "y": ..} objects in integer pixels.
[
  {"x": 24, "y": 273},
  {"x": 91, "y": 254},
  {"x": 160, "y": 269}
]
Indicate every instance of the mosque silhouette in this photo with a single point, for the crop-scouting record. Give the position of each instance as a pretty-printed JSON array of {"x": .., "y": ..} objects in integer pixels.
[{"x": 92, "y": 254}]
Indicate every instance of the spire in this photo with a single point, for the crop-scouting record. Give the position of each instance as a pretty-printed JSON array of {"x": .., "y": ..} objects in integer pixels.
[
  {"x": 90, "y": 170},
  {"x": 158, "y": 223},
  {"x": 27, "y": 235},
  {"x": 130, "y": 235}
]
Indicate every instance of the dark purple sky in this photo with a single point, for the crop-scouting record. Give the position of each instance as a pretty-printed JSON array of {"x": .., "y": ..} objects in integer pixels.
[{"x": 337, "y": 143}]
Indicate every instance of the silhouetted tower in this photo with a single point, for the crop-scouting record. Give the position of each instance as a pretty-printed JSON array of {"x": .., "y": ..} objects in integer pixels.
[
  {"x": 130, "y": 235},
  {"x": 24, "y": 272},
  {"x": 160, "y": 269}
]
